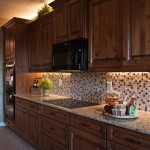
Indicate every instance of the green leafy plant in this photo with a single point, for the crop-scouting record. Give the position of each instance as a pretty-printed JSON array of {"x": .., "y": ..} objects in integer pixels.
[
  {"x": 45, "y": 9},
  {"x": 46, "y": 84}
]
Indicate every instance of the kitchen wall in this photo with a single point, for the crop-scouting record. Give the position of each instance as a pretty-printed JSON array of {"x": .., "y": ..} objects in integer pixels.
[
  {"x": 1, "y": 75},
  {"x": 91, "y": 86}
]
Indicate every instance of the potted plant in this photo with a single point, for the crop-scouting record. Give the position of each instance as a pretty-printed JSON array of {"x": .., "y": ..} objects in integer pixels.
[
  {"x": 46, "y": 85},
  {"x": 45, "y": 9}
]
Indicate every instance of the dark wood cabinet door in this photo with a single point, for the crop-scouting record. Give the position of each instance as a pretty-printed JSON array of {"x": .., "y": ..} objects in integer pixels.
[
  {"x": 80, "y": 140},
  {"x": 105, "y": 35},
  {"x": 136, "y": 31},
  {"x": 47, "y": 41},
  {"x": 34, "y": 48},
  {"x": 128, "y": 138},
  {"x": 33, "y": 127},
  {"x": 10, "y": 43},
  {"x": 60, "y": 23},
  {"x": 114, "y": 146},
  {"x": 76, "y": 12},
  {"x": 50, "y": 144},
  {"x": 21, "y": 120}
]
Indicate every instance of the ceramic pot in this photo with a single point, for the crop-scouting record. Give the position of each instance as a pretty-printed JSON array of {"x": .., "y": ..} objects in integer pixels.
[{"x": 46, "y": 92}]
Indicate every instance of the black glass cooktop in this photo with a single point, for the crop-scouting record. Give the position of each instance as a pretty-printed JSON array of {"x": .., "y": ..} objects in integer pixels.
[{"x": 70, "y": 103}]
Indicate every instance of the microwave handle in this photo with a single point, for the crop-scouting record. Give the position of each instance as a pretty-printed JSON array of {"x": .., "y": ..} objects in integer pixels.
[{"x": 75, "y": 57}]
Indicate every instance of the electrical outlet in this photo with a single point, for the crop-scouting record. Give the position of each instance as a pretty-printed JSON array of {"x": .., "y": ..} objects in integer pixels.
[
  {"x": 59, "y": 82},
  {"x": 109, "y": 85}
]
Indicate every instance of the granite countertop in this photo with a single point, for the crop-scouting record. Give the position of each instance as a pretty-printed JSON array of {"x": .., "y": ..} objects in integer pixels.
[{"x": 140, "y": 124}]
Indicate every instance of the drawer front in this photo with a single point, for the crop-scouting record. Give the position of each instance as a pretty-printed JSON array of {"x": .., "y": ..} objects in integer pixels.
[
  {"x": 50, "y": 144},
  {"x": 114, "y": 146},
  {"x": 55, "y": 114},
  {"x": 20, "y": 102},
  {"x": 32, "y": 106},
  {"x": 128, "y": 138},
  {"x": 88, "y": 125},
  {"x": 55, "y": 130}
]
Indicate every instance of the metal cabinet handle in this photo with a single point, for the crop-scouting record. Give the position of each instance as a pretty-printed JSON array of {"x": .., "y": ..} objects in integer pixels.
[
  {"x": 52, "y": 129},
  {"x": 85, "y": 125},
  {"x": 133, "y": 141},
  {"x": 52, "y": 113}
]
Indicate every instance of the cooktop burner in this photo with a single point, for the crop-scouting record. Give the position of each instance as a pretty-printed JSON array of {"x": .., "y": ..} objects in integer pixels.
[{"x": 70, "y": 103}]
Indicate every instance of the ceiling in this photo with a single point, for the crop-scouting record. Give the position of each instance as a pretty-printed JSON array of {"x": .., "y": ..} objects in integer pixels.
[{"x": 26, "y": 9}]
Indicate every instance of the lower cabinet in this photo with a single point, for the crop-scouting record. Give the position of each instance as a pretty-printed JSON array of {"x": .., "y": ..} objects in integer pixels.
[
  {"x": 114, "y": 146},
  {"x": 21, "y": 120},
  {"x": 126, "y": 139},
  {"x": 27, "y": 121},
  {"x": 48, "y": 128},
  {"x": 50, "y": 144},
  {"x": 53, "y": 129},
  {"x": 80, "y": 140}
]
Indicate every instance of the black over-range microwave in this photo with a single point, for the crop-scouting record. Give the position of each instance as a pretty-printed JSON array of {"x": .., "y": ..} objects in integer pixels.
[{"x": 70, "y": 55}]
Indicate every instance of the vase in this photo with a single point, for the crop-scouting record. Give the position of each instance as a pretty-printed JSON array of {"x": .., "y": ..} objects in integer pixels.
[{"x": 46, "y": 92}]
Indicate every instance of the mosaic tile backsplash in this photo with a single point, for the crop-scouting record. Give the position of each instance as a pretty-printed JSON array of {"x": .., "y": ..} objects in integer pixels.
[{"x": 91, "y": 86}]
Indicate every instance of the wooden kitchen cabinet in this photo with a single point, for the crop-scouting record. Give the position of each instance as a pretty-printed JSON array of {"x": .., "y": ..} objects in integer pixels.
[
  {"x": 15, "y": 43},
  {"x": 21, "y": 115},
  {"x": 40, "y": 44},
  {"x": 126, "y": 139},
  {"x": 69, "y": 19},
  {"x": 50, "y": 144},
  {"x": 79, "y": 139},
  {"x": 9, "y": 36},
  {"x": 53, "y": 128},
  {"x": 85, "y": 133},
  {"x": 27, "y": 120},
  {"x": 114, "y": 146},
  {"x": 105, "y": 35},
  {"x": 136, "y": 35}
]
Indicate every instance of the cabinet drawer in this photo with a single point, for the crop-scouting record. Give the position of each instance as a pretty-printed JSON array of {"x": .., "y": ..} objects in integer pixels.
[
  {"x": 55, "y": 130},
  {"x": 128, "y": 138},
  {"x": 55, "y": 114},
  {"x": 114, "y": 146},
  {"x": 32, "y": 106},
  {"x": 88, "y": 125},
  {"x": 20, "y": 102},
  {"x": 50, "y": 144}
]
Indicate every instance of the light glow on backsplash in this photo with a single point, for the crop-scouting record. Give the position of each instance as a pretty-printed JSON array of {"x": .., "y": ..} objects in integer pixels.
[{"x": 90, "y": 86}]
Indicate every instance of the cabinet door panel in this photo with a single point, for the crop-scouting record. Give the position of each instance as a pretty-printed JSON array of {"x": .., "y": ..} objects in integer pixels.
[
  {"x": 60, "y": 24},
  {"x": 33, "y": 127},
  {"x": 50, "y": 144},
  {"x": 47, "y": 41},
  {"x": 76, "y": 11},
  {"x": 105, "y": 33},
  {"x": 137, "y": 29},
  {"x": 34, "y": 49},
  {"x": 128, "y": 138},
  {"x": 10, "y": 43},
  {"x": 80, "y": 140},
  {"x": 21, "y": 120},
  {"x": 114, "y": 146}
]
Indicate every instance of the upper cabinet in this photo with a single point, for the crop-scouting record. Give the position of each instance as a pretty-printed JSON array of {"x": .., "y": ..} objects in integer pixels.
[
  {"x": 137, "y": 35},
  {"x": 9, "y": 43},
  {"x": 40, "y": 44},
  {"x": 105, "y": 35},
  {"x": 69, "y": 19},
  {"x": 15, "y": 43}
]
